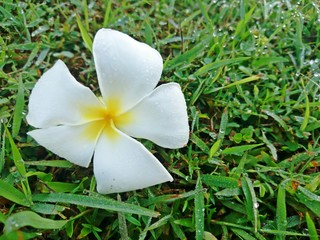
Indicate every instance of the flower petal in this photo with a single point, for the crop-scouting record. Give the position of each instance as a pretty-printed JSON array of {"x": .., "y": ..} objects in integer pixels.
[
  {"x": 126, "y": 69},
  {"x": 160, "y": 117},
  {"x": 123, "y": 164},
  {"x": 58, "y": 98},
  {"x": 74, "y": 143}
]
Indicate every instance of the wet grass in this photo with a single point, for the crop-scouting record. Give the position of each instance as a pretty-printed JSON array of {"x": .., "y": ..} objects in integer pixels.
[{"x": 251, "y": 77}]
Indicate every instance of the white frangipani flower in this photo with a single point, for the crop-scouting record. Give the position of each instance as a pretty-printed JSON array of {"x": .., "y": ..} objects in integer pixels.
[{"x": 76, "y": 125}]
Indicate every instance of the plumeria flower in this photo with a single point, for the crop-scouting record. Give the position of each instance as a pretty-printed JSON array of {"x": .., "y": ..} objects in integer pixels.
[{"x": 76, "y": 125}]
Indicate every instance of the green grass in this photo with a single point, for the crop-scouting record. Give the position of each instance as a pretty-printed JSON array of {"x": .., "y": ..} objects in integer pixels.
[{"x": 250, "y": 72}]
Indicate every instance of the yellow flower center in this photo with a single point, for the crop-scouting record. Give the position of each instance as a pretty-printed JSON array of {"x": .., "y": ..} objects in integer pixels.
[{"x": 105, "y": 119}]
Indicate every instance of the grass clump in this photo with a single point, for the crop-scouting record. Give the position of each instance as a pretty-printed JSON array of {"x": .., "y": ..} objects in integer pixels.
[{"x": 250, "y": 73}]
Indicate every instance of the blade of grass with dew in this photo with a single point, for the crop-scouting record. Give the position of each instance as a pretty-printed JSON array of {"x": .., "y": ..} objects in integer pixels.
[
  {"x": 45, "y": 208},
  {"x": 277, "y": 118},
  {"x": 170, "y": 197},
  {"x": 184, "y": 58},
  {"x": 251, "y": 202},
  {"x": 229, "y": 192},
  {"x": 222, "y": 130},
  {"x": 28, "y": 218},
  {"x": 84, "y": 34},
  {"x": 18, "y": 109},
  {"x": 201, "y": 144},
  {"x": 94, "y": 202},
  {"x": 219, "y": 63},
  {"x": 199, "y": 210},
  {"x": 220, "y": 181},
  {"x": 239, "y": 150},
  {"x": 50, "y": 163},
  {"x": 281, "y": 211},
  {"x": 271, "y": 147},
  {"x": 309, "y": 199},
  {"x": 242, "y": 81}
]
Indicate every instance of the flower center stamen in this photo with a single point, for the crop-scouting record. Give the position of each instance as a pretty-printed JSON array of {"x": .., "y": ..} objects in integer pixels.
[{"x": 105, "y": 120}]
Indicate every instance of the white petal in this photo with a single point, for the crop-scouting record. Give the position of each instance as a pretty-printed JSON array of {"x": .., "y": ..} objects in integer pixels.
[
  {"x": 122, "y": 164},
  {"x": 125, "y": 67},
  {"x": 58, "y": 98},
  {"x": 74, "y": 143},
  {"x": 160, "y": 117}
]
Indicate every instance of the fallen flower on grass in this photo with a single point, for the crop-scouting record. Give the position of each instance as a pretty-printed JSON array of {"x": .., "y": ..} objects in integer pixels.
[{"x": 76, "y": 125}]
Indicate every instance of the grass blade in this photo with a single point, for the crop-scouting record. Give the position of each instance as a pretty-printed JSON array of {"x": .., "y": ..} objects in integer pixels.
[
  {"x": 107, "y": 14},
  {"x": 242, "y": 234},
  {"x": 94, "y": 202},
  {"x": 309, "y": 199},
  {"x": 239, "y": 150},
  {"x": 50, "y": 163},
  {"x": 311, "y": 228},
  {"x": 17, "y": 114},
  {"x": 219, "y": 63},
  {"x": 251, "y": 202},
  {"x": 11, "y": 193},
  {"x": 84, "y": 34},
  {"x": 28, "y": 218},
  {"x": 281, "y": 212},
  {"x": 199, "y": 210},
  {"x": 122, "y": 223},
  {"x": 220, "y": 181},
  {"x": 17, "y": 158}
]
